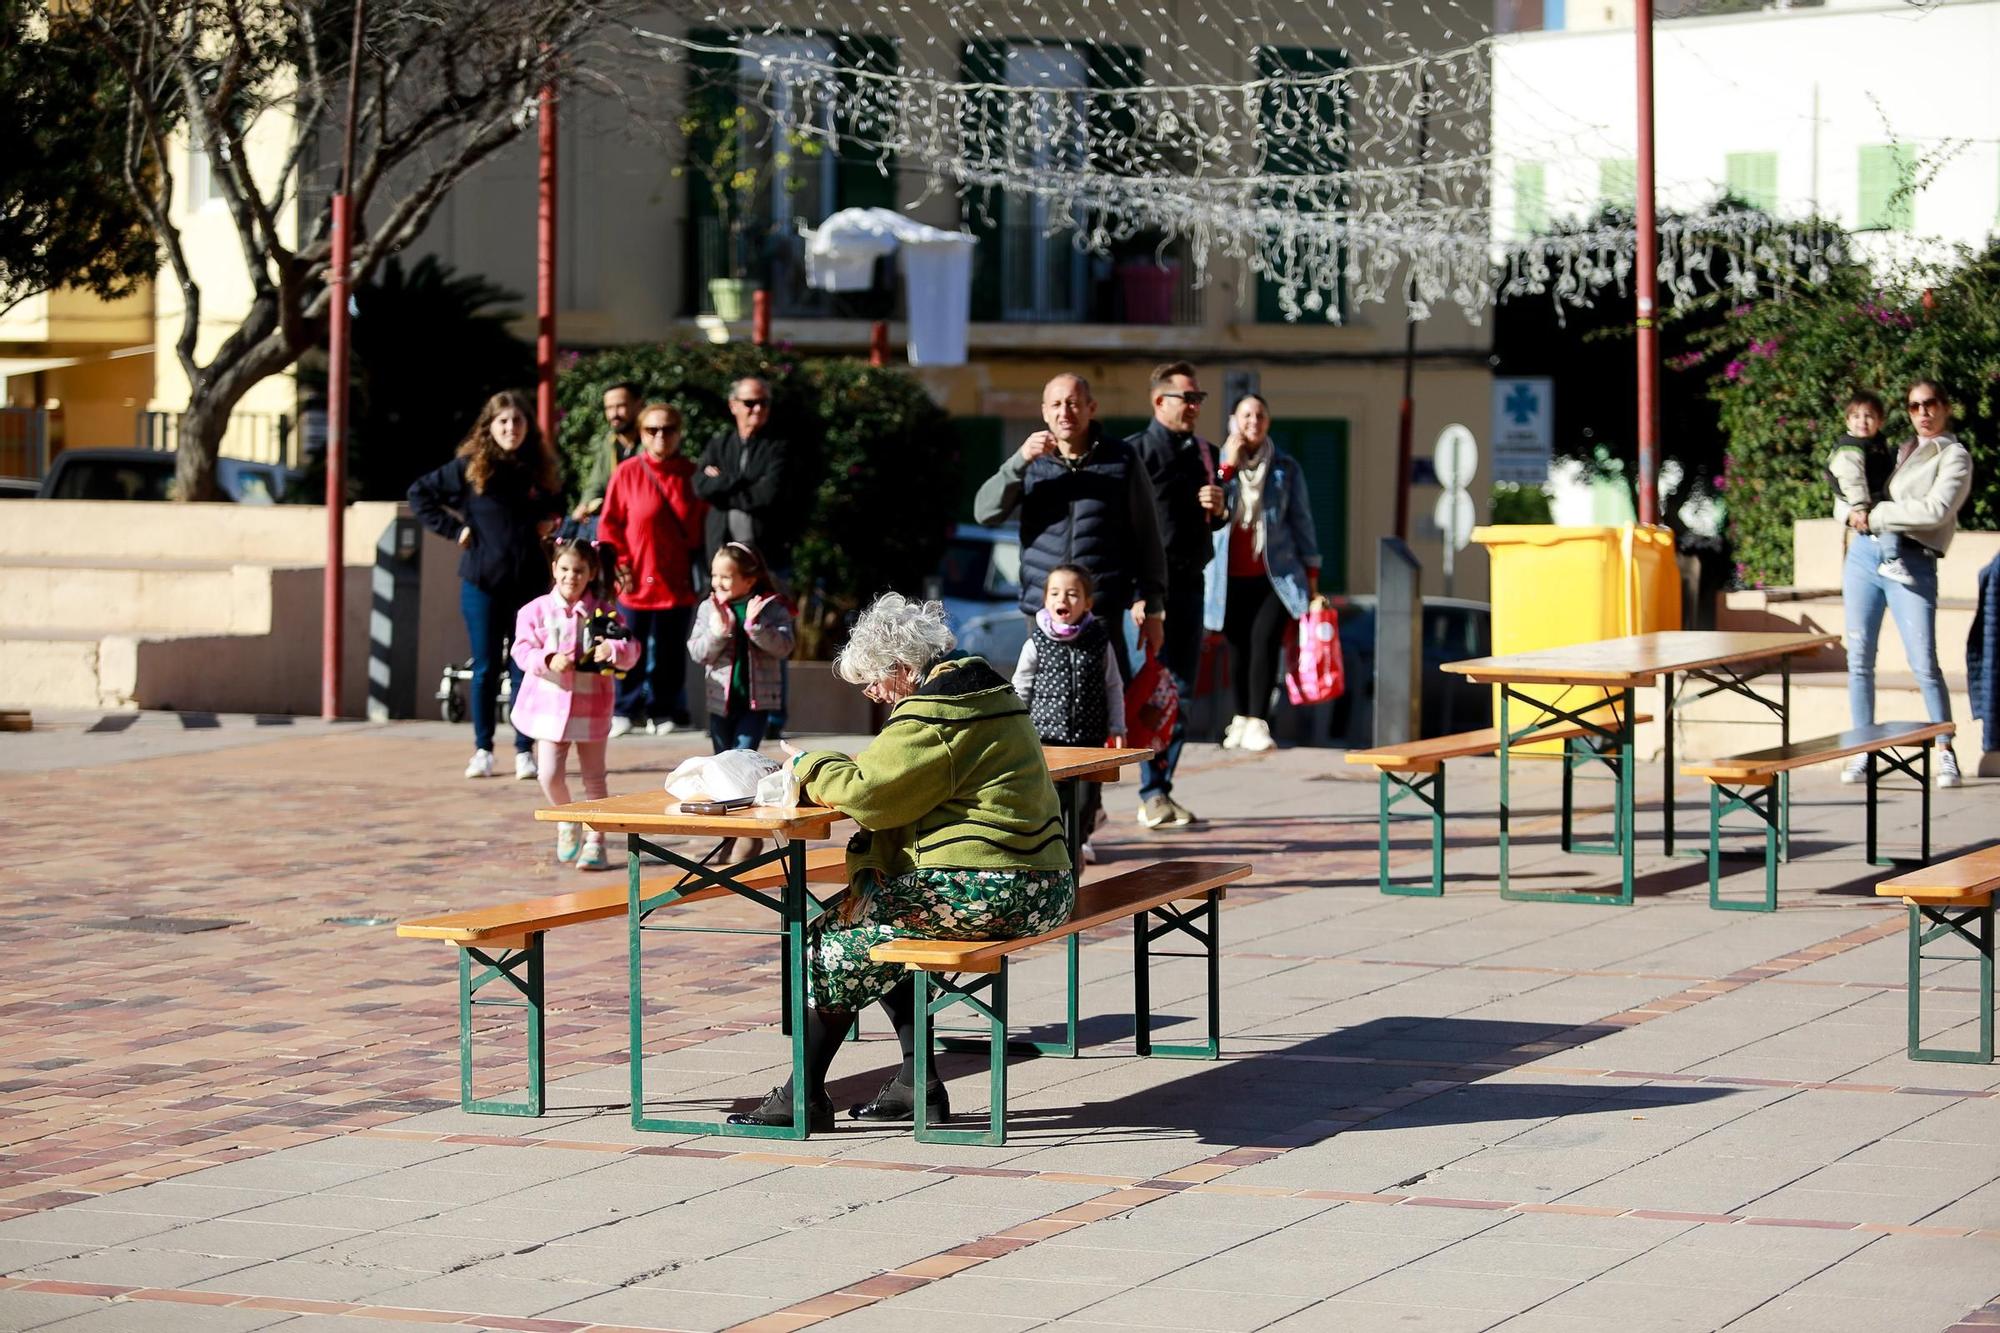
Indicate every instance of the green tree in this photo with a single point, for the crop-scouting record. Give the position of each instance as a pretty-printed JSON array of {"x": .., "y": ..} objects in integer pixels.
[
  {"x": 66, "y": 219},
  {"x": 880, "y": 456},
  {"x": 1783, "y": 369}
]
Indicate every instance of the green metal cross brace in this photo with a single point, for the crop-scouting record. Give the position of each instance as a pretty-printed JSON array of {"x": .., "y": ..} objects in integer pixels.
[
  {"x": 1202, "y": 923},
  {"x": 1578, "y": 752},
  {"x": 1616, "y": 753},
  {"x": 1974, "y": 925},
  {"x": 994, "y": 1008},
  {"x": 1759, "y": 800},
  {"x": 507, "y": 966},
  {"x": 1428, "y": 790},
  {"x": 1921, "y": 772}
]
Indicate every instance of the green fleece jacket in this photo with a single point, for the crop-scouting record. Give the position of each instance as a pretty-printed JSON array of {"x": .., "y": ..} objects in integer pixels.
[{"x": 955, "y": 780}]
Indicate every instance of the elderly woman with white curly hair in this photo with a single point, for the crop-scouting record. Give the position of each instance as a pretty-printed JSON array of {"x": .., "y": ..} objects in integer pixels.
[{"x": 961, "y": 838}]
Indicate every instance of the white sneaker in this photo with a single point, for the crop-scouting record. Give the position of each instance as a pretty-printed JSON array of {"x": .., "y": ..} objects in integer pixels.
[
  {"x": 568, "y": 838},
  {"x": 1896, "y": 572},
  {"x": 1855, "y": 770},
  {"x": 1234, "y": 735},
  {"x": 661, "y": 726},
  {"x": 1947, "y": 773},
  {"x": 481, "y": 765},
  {"x": 591, "y": 856},
  {"x": 621, "y": 726},
  {"x": 524, "y": 765},
  {"x": 1256, "y": 735}
]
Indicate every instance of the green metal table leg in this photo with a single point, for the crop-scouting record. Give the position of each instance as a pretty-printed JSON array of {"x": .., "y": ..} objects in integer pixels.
[
  {"x": 1974, "y": 925},
  {"x": 1506, "y": 747},
  {"x": 521, "y": 969},
  {"x": 1617, "y": 755}
]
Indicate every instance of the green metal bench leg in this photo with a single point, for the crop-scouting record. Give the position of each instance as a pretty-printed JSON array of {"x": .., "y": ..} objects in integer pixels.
[
  {"x": 1763, "y": 802},
  {"x": 994, "y": 1008},
  {"x": 522, "y": 970},
  {"x": 1427, "y": 789},
  {"x": 1920, "y": 771},
  {"x": 1203, "y": 924},
  {"x": 1974, "y": 925}
]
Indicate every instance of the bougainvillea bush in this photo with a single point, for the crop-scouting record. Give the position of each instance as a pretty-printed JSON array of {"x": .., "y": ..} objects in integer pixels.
[
  {"x": 883, "y": 455},
  {"x": 1784, "y": 366}
]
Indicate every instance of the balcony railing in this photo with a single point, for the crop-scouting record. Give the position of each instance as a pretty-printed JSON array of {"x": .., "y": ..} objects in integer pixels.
[
  {"x": 1046, "y": 278},
  {"x": 775, "y": 260},
  {"x": 258, "y": 437}
]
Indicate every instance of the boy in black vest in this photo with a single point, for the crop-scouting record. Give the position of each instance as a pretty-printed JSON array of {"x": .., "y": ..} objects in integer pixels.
[{"x": 1069, "y": 676}]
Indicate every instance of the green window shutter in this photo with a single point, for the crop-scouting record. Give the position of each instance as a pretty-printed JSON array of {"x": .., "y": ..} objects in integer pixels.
[
  {"x": 1531, "y": 200},
  {"x": 712, "y": 93},
  {"x": 1320, "y": 445},
  {"x": 864, "y": 179},
  {"x": 984, "y": 62},
  {"x": 981, "y": 450},
  {"x": 1884, "y": 204},
  {"x": 1292, "y": 153},
  {"x": 1753, "y": 178},
  {"x": 1618, "y": 183}
]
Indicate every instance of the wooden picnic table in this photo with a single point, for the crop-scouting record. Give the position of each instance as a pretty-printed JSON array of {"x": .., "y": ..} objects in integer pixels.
[
  {"x": 1603, "y": 674},
  {"x": 648, "y": 815}
]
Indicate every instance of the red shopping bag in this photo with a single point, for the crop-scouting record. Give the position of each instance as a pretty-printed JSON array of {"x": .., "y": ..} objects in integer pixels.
[
  {"x": 1151, "y": 702},
  {"x": 1314, "y": 673}
]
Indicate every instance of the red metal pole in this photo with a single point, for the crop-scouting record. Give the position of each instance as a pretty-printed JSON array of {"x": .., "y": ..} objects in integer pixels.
[
  {"x": 760, "y": 318},
  {"x": 878, "y": 343},
  {"x": 332, "y": 603},
  {"x": 1649, "y": 279},
  {"x": 545, "y": 271}
]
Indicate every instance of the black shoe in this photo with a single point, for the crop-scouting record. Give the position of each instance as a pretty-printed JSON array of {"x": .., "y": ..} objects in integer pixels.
[
  {"x": 898, "y": 1101},
  {"x": 776, "y": 1110}
]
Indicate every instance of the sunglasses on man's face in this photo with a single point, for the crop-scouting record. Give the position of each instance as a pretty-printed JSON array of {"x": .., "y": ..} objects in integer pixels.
[
  {"x": 1924, "y": 404},
  {"x": 1193, "y": 398},
  {"x": 656, "y": 430},
  {"x": 753, "y": 404}
]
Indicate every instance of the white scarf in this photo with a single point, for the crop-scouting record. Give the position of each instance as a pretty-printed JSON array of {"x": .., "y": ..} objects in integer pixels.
[{"x": 1250, "y": 477}]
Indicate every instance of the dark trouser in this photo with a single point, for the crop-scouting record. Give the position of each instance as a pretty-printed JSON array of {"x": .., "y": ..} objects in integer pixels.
[
  {"x": 1254, "y": 624},
  {"x": 489, "y": 624},
  {"x": 738, "y": 730},
  {"x": 656, "y": 689},
  {"x": 1182, "y": 657}
]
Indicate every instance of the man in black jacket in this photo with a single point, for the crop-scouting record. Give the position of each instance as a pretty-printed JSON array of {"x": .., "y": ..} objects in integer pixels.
[
  {"x": 1182, "y": 467},
  {"x": 749, "y": 477},
  {"x": 1085, "y": 500}
]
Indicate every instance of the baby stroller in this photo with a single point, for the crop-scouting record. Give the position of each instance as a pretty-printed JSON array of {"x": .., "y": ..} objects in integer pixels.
[{"x": 456, "y": 679}]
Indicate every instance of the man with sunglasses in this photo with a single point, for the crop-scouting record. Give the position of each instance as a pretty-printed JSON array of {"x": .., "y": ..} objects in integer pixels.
[
  {"x": 748, "y": 476},
  {"x": 1186, "y": 489}
]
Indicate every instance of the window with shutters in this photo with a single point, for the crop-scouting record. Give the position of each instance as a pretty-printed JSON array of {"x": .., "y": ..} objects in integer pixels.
[
  {"x": 1618, "y": 183},
  {"x": 785, "y": 137},
  {"x": 1303, "y": 142},
  {"x": 1886, "y": 200},
  {"x": 1043, "y": 272},
  {"x": 1753, "y": 178},
  {"x": 1531, "y": 200}
]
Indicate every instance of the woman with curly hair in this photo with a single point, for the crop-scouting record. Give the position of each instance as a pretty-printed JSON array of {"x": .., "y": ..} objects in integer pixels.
[
  {"x": 496, "y": 499},
  {"x": 961, "y": 838}
]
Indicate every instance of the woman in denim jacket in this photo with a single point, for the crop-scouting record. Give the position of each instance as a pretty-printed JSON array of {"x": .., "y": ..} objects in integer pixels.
[{"x": 1265, "y": 574}]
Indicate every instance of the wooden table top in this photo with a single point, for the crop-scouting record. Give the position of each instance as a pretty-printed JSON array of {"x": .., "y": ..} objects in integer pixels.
[
  {"x": 1637, "y": 660},
  {"x": 657, "y": 812}
]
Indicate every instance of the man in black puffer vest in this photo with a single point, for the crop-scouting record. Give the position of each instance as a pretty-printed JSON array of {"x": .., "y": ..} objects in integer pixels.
[
  {"x": 1182, "y": 467},
  {"x": 1085, "y": 500}
]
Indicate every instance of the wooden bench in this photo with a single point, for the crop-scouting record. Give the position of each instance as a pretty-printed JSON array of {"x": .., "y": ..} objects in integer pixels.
[
  {"x": 1415, "y": 770},
  {"x": 1951, "y": 899},
  {"x": 505, "y": 940},
  {"x": 1147, "y": 895},
  {"x": 1754, "y": 782}
]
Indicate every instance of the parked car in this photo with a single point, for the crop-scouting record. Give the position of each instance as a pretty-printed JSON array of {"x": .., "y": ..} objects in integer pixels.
[
  {"x": 148, "y": 474},
  {"x": 979, "y": 582},
  {"x": 19, "y": 488},
  {"x": 1454, "y": 629}
]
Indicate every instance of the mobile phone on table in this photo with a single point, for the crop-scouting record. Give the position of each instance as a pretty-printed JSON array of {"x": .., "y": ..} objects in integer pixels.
[{"x": 716, "y": 807}]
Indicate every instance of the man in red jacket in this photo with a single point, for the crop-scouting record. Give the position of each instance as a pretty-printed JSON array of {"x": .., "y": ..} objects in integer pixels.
[{"x": 650, "y": 532}]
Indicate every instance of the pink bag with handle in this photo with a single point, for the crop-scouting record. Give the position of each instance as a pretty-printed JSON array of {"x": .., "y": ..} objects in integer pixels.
[{"x": 1315, "y": 673}]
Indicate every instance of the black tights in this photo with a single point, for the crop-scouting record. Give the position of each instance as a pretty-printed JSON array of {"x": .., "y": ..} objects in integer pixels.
[{"x": 1254, "y": 623}]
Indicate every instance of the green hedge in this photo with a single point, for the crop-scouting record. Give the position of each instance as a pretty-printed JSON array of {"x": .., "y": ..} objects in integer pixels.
[
  {"x": 883, "y": 455},
  {"x": 1783, "y": 369}
]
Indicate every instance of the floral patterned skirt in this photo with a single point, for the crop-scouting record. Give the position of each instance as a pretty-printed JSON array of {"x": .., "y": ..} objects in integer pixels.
[{"x": 926, "y": 905}]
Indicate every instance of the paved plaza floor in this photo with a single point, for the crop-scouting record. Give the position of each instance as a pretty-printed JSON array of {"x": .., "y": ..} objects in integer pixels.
[{"x": 228, "y": 1102}]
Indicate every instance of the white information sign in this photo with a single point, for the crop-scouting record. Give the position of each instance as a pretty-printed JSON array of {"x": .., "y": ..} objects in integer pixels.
[{"x": 1523, "y": 428}]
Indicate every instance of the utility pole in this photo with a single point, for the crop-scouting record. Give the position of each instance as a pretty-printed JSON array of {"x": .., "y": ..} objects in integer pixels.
[
  {"x": 1648, "y": 277},
  {"x": 1407, "y": 410},
  {"x": 545, "y": 269},
  {"x": 338, "y": 339}
]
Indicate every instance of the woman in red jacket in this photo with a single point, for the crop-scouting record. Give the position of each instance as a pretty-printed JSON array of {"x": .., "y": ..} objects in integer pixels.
[{"x": 650, "y": 529}]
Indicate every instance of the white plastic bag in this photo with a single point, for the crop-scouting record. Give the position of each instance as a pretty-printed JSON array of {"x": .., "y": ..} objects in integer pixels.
[
  {"x": 779, "y": 790},
  {"x": 728, "y": 776}
]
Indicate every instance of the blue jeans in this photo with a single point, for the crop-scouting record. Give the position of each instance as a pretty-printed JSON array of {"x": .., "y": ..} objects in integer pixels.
[
  {"x": 1864, "y": 596},
  {"x": 656, "y": 689},
  {"x": 738, "y": 731},
  {"x": 1181, "y": 655},
  {"x": 489, "y": 624}
]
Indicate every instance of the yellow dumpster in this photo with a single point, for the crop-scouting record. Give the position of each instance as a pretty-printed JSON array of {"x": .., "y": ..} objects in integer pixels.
[{"x": 1553, "y": 586}]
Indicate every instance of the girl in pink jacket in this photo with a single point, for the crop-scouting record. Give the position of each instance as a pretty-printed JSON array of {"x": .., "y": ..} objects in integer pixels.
[{"x": 568, "y": 687}]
